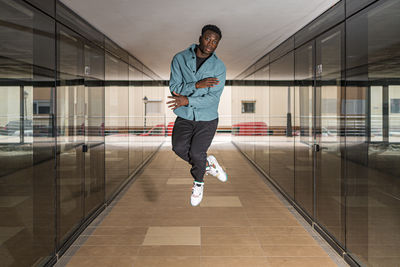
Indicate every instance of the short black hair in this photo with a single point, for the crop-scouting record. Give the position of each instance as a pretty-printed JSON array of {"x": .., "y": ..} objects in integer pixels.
[{"x": 212, "y": 28}]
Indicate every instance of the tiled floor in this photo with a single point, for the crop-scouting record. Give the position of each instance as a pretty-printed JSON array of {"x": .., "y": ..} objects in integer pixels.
[{"x": 239, "y": 223}]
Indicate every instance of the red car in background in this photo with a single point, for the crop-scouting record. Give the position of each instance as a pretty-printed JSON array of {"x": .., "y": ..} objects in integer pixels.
[
  {"x": 169, "y": 128},
  {"x": 158, "y": 130},
  {"x": 250, "y": 128},
  {"x": 243, "y": 128}
]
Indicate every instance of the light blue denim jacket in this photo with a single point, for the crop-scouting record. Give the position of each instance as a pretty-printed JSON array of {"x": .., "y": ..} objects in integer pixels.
[{"x": 203, "y": 102}]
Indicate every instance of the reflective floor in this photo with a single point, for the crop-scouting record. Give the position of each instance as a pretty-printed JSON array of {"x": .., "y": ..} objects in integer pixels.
[{"x": 243, "y": 222}]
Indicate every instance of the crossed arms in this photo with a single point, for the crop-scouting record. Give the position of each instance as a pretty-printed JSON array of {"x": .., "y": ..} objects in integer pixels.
[{"x": 201, "y": 94}]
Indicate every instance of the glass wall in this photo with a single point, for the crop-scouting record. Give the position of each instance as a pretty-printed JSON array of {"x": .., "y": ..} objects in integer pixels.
[
  {"x": 117, "y": 114},
  {"x": 262, "y": 118},
  {"x": 281, "y": 149},
  {"x": 27, "y": 142},
  {"x": 333, "y": 134},
  {"x": 373, "y": 139},
  {"x": 303, "y": 124},
  {"x": 70, "y": 131},
  {"x": 67, "y": 136},
  {"x": 135, "y": 116}
]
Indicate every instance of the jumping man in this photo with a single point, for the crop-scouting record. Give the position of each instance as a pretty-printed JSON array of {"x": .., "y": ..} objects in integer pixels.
[{"x": 196, "y": 83}]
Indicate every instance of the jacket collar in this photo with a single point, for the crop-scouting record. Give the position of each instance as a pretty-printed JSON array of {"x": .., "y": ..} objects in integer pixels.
[{"x": 192, "y": 50}]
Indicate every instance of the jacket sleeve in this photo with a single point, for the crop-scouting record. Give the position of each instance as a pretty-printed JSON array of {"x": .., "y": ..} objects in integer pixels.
[
  {"x": 176, "y": 82},
  {"x": 212, "y": 96}
]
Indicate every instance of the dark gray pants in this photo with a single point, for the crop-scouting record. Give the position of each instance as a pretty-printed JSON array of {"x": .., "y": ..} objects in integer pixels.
[{"x": 191, "y": 140}]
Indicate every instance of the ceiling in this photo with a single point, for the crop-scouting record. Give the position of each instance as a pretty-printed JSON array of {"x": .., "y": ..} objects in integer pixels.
[{"x": 155, "y": 30}]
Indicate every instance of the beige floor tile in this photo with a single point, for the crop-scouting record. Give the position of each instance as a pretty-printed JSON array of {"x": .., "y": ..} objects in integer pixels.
[
  {"x": 301, "y": 262},
  {"x": 167, "y": 262},
  {"x": 232, "y": 251},
  {"x": 239, "y": 223},
  {"x": 234, "y": 261},
  {"x": 223, "y": 216},
  {"x": 280, "y": 230},
  {"x": 227, "y": 212},
  {"x": 221, "y": 201},
  {"x": 131, "y": 213},
  {"x": 269, "y": 212},
  {"x": 229, "y": 240},
  {"x": 130, "y": 240},
  {"x": 177, "y": 221},
  {"x": 226, "y": 230},
  {"x": 124, "y": 231},
  {"x": 300, "y": 240},
  {"x": 225, "y": 221},
  {"x": 101, "y": 261},
  {"x": 225, "y": 236},
  {"x": 280, "y": 221},
  {"x": 293, "y": 251},
  {"x": 170, "y": 251},
  {"x": 172, "y": 236},
  {"x": 120, "y": 220},
  {"x": 107, "y": 251},
  {"x": 176, "y": 216}
]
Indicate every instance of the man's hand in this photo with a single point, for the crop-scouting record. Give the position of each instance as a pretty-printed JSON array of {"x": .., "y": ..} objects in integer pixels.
[
  {"x": 207, "y": 82},
  {"x": 178, "y": 101}
]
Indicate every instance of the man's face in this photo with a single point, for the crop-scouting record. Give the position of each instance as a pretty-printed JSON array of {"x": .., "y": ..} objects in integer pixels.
[{"x": 208, "y": 42}]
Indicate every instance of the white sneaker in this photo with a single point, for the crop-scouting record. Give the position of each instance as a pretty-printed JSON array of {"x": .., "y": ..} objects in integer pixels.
[
  {"x": 197, "y": 193},
  {"x": 215, "y": 169}
]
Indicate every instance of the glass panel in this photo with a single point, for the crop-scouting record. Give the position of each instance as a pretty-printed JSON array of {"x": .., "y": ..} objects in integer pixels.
[
  {"x": 135, "y": 118},
  {"x": 154, "y": 118},
  {"x": 281, "y": 108},
  {"x": 261, "y": 62},
  {"x": 304, "y": 181},
  {"x": 116, "y": 123},
  {"x": 282, "y": 49},
  {"x": 27, "y": 143},
  {"x": 146, "y": 119},
  {"x": 247, "y": 119},
  {"x": 70, "y": 128},
  {"x": 116, "y": 50},
  {"x": 262, "y": 118},
  {"x": 330, "y": 18},
  {"x": 236, "y": 115},
  {"x": 328, "y": 109},
  {"x": 373, "y": 156},
  {"x": 94, "y": 128},
  {"x": 394, "y": 113},
  {"x": 352, "y": 6},
  {"x": 376, "y": 113},
  {"x": 45, "y": 5},
  {"x": 73, "y": 21}
]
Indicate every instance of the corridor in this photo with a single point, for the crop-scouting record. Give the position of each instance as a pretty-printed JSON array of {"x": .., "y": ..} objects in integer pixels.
[{"x": 243, "y": 222}]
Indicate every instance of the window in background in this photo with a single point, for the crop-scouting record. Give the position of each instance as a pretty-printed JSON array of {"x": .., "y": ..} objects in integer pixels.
[{"x": 248, "y": 106}]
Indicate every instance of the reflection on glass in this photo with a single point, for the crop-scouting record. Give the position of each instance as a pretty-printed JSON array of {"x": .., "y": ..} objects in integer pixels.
[
  {"x": 281, "y": 127},
  {"x": 135, "y": 118},
  {"x": 304, "y": 139},
  {"x": 247, "y": 119},
  {"x": 70, "y": 129},
  {"x": 394, "y": 113},
  {"x": 48, "y": 188},
  {"x": 373, "y": 170},
  {"x": 94, "y": 128},
  {"x": 153, "y": 109},
  {"x": 376, "y": 109},
  {"x": 347, "y": 138},
  {"x": 27, "y": 214},
  {"x": 261, "y": 145},
  {"x": 116, "y": 123},
  {"x": 328, "y": 110}
]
